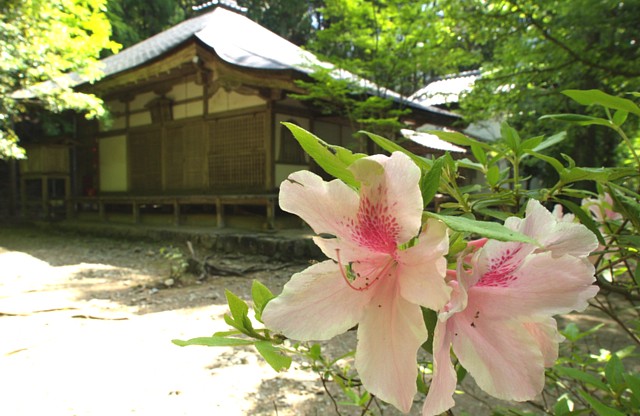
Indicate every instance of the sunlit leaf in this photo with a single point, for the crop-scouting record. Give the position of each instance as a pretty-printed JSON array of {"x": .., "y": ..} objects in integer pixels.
[
  {"x": 481, "y": 228},
  {"x": 261, "y": 295},
  {"x": 600, "y": 408},
  {"x": 591, "y": 97},
  {"x": 273, "y": 355},
  {"x": 215, "y": 341},
  {"x": 335, "y": 160}
]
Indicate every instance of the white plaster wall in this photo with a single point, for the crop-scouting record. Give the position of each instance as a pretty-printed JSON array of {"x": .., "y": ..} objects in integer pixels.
[
  {"x": 191, "y": 109},
  {"x": 113, "y": 163},
  {"x": 225, "y": 101},
  {"x": 185, "y": 90},
  {"x": 140, "y": 119}
]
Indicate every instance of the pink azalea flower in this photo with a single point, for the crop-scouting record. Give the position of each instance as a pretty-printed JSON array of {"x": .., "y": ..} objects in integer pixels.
[
  {"x": 601, "y": 208},
  {"x": 499, "y": 320},
  {"x": 373, "y": 278}
]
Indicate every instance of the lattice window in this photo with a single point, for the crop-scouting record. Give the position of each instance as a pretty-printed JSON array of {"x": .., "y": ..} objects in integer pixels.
[
  {"x": 237, "y": 153},
  {"x": 185, "y": 157},
  {"x": 145, "y": 161},
  {"x": 290, "y": 150}
]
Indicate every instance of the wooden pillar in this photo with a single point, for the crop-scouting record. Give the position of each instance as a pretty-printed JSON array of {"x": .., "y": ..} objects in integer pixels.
[
  {"x": 45, "y": 195},
  {"x": 68, "y": 204},
  {"x": 101, "y": 210},
  {"x": 23, "y": 197},
  {"x": 219, "y": 213},
  {"x": 135, "y": 208},
  {"x": 176, "y": 212},
  {"x": 271, "y": 214}
]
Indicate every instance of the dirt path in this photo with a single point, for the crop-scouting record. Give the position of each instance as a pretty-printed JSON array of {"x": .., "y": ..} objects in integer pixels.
[{"x": 86, "y": 325}]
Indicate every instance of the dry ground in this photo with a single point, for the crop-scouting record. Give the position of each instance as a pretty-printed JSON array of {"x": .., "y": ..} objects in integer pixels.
[{"x": 86, "y": 325}]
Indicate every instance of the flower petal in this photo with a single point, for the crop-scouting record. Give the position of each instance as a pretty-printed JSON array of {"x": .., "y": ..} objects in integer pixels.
[
  {"x": 547, "y": 336},
  {"x": 326, "y": 206},
  {"x": 390, "y": 333},
  {"x": 316, "y": 304},
  {"x": 559, "y": 237},
  {"x": 542, "y": 285},
  {"x": 390, "y": 196},
  {"x": 422, "y": 268},
  {"x": 443, "y": 384},
  {"x": 502, "y": 356}
]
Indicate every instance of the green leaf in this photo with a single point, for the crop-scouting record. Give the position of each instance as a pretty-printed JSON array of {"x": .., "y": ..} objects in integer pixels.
[
  {"x": 591, "y": 97},
  {"x": 600, "y": 408},
  {"x": 619, "y": 117},
  {"x": 628, "y": 207},
  {"x": 584, "y": 218},
  {"x": 430, "y": 319},
  {"x": 261, "y": 295},
  {"x": 391, "y": 147},
  {"x": 532, "y": 143},
  {"x": 273, "y": 356},
  {"x": 239, "y": 308},
  {"x": 579, "y": 375},
  {"x": 335, "y": 160},
  {"x": 214, "y": 341},
  {"x": 239, "y": 318},
  {"x": 613, "y": 372},
  {"x": 511, "y": 138},
  {"x": 633, "y": 383},
  {"x": 430, "y": 182},
  {"x": 550, "y": 141},
  {"x": 578, "y": 119},
  {"x": 557, "y": 165},
  {"x": 479, "y": 153},
  {"x": 482, "y": 228},
  {"x": 459, "y": 139},
  {"x": 493, "y": 175},
  {"x": 562, "y": 406},
  {"x": 573, "y": 334}
]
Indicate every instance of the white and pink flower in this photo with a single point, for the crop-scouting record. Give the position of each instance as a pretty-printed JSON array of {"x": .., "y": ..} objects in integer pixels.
[
  {"x": 499, "y": 320},
  {"x": 384, "y": 264}
]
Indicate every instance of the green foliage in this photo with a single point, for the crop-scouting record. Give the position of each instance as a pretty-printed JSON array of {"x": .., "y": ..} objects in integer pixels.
[
  {"x": 335, "y": 160},
  {"x": 291, "y": 19},
  {"x": 40, "y": 42},
  {"x": 134, "y": 21},
  {"x": 178, "y": 263}
]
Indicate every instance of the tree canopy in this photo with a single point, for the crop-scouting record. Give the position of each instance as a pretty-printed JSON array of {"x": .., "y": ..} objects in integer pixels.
[{"x": 40, "y": 42}]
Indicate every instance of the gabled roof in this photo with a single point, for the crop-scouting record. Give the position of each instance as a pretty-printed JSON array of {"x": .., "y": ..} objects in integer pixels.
[
  {"x": 240, "y": 41},
  {"x": 235, "y": 38}
]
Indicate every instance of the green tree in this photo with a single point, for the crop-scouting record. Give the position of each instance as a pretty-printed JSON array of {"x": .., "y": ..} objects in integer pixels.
[
  {"x": 294, "y": 20},
  {"x": 134, "y": 21},
  {"x": 531, "y": 50},
  {"x": 40, "y": 42},
  {"x": 392, "y": 43}
]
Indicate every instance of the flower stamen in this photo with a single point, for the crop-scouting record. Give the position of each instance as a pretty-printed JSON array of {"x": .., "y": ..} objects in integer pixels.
[{"x": 349, "y": 276}]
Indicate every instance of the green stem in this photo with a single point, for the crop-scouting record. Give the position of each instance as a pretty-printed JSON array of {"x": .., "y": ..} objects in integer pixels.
[{"x": 629, "y": 144}]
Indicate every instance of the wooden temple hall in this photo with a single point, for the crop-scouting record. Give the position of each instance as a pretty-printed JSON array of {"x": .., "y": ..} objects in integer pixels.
[{"x": 195, "y": 134}]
